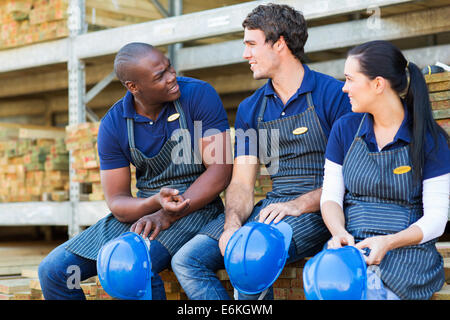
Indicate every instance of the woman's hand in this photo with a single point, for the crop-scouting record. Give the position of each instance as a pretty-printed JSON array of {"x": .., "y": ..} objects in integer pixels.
[
  {"x": 378, "y": 246},
  {"x": 341, "y": 240}
]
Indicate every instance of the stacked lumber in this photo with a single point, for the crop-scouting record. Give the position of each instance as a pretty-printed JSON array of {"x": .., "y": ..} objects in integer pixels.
[
  {"x": 30, "y": 21},
  {"x": 33, "y": 163},
  {"x": 28, "y": 287},
  {"x": 81, "y": 140},
  {"x": 439, "y": 89},
  {"x": 173, "y": 289}
]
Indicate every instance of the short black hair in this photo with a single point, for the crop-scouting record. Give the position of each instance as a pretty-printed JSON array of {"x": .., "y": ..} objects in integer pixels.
[
  {"x": 277, "y": 20},
  {"x": 131, "y": 53}
]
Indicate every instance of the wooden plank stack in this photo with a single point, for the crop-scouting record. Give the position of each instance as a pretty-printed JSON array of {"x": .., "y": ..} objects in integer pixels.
[
  {"x": 29, "y": 21},
  {"x": 439, "y": 89},
  {"x": 81, "y": 139},
  {"x": 25, "y": 22},
  {"x": 33, "y": 163}
]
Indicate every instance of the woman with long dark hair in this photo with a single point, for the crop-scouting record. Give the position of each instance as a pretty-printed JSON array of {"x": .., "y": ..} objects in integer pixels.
[{"x": 387, "y": 173}]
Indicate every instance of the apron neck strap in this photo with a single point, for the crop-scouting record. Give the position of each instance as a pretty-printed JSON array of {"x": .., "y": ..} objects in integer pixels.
[
  {"x": 262, "y": 108},
  {"x": 130, "y": 124}
]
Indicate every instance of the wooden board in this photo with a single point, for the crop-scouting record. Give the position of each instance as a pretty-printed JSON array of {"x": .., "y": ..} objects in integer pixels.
[
  {"x": 10, "y": 286},
  {"x": 443, "y": 294},
  {"x": 437, "y": 77}
]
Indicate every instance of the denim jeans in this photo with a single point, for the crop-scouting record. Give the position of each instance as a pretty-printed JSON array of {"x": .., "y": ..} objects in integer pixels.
[
  {"x": 196, "y": 264},
  {"x": 61, "y": 272}
]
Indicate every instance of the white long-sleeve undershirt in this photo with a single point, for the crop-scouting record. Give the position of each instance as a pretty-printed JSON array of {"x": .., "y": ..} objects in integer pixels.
[{"x": 435, "y": 199}]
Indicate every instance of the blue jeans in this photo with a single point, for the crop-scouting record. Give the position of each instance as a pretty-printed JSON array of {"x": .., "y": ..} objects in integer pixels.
[
  {"x": 196, "y": 264},
  {"x": 61, "y": 272}
]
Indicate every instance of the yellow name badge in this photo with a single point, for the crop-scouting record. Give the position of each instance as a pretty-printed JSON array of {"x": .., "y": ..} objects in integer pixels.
[
  {"x": 402, "y": 169},
  {"x": 300, "y": 130},
  {"x": 173, "y": 117}
]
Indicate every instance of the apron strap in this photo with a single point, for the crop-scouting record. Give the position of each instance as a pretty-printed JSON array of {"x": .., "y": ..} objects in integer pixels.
[
  {"x": 309, "y": 99},
  {"x": 130, "y": 130},
  {"x": 182, "y": 120},
  {"x": 360, "y": 126},
  {"x": 262, "y": 108},
  {"x": 130, "y": 124},
  {"x": 354, "y": 139}
]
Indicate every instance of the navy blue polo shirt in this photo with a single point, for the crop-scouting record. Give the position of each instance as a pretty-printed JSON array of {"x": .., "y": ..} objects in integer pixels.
[
  {"x": 343, "y": 133},
  {"x": 199, "y": 101},
  {"x": 330, "y": 103}
]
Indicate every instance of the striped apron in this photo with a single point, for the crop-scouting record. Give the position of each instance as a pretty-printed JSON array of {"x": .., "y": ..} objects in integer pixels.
[
  {"x": 381, "y": 202},
  {"x": 156, "y": 172},
  {"x": 296, "y": 168}
]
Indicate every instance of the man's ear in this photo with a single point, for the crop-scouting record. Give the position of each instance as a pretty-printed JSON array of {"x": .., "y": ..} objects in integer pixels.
[
  {"x": 131, "y": 86},
  {"x": 280, "y": 44}
]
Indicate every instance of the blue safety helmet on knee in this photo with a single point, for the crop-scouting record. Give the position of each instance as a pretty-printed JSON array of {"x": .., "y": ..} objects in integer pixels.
[
  {"x": 124, "y": 268},
  {"x": 336, "y": 274},
  {"x": 256, "y": 254}
]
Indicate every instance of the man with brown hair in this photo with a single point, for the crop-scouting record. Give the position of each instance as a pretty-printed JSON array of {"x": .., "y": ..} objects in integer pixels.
[{"x": 285, "y": 123}]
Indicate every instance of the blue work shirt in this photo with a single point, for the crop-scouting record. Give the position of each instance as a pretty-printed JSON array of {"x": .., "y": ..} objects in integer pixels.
[
  {"x": 199, "y": 101},
  {"x": 343, "y": 133},
  {"x": 330, "y": 103}
]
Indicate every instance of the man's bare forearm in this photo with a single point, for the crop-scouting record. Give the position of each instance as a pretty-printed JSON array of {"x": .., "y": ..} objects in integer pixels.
[
  {"x": 238, "y": 204},
  {"x": 309, "y": 202}
]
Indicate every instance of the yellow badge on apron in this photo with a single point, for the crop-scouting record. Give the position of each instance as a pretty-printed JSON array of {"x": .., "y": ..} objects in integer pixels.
[
  {"x": 402, "y": 169},
  {"x": 173, "y": 117},
  {"x": 300, "y": 130}
]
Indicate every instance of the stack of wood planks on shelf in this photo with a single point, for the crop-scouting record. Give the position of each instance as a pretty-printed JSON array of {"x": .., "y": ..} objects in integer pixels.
[
  {"x": 34, "y": 163},
  {"x": 29, "y": 21},
  {"x": 439, "y": 89},
  {"x": 81, "y": 140}
]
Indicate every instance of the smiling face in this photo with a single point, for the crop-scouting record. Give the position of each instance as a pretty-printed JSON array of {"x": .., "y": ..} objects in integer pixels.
[
  {"x": 260, "y": 54},
  {"x": 155, "y": 79},
  {"x": 360, "y": 89}
]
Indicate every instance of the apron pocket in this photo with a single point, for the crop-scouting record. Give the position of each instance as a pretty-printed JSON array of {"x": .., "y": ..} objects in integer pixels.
[{"x": 383, "y": 218}]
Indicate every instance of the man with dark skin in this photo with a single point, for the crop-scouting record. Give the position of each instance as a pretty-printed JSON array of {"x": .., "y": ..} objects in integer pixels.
[{"x": 158, "y": 117}]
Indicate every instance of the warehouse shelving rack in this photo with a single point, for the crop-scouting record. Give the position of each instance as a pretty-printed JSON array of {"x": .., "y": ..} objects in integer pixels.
[{"x": 178, "y": 28}]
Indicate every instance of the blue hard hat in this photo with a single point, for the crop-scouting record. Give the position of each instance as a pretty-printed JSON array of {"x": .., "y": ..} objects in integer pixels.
[
  {"x": 256, "y": 254},
  {"x": 124, "y": 268},
  {"x": 336, "y": 274}
]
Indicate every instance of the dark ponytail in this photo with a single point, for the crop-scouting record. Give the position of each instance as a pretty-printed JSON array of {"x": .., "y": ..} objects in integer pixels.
[{"x": 382, "y": 58}]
